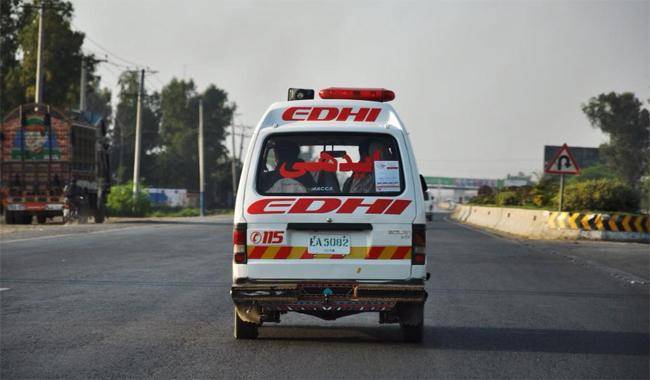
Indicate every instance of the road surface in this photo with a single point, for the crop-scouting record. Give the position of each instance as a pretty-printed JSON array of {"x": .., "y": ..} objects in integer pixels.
[{"x": 151, "y": 300}]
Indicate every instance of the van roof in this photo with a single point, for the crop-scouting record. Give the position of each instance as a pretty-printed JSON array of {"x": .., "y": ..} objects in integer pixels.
[{"x": 330, "y": 111}]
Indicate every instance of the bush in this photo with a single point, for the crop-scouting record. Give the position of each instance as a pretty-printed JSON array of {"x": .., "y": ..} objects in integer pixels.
[
  {"x": 601, "y": 195},
  {"x": 121, "y": 203},
  {"x": 482, "y": 200},
  {"x": 508, "y": 198},
  {"x": 175, "y": 212}
]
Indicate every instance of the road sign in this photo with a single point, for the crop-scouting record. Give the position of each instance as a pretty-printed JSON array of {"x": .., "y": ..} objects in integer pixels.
[{"x": 563, "y": 163}]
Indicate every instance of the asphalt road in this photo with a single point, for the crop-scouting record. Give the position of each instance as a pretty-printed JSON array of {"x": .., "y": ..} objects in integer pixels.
[{"x": 151, "y": 300}]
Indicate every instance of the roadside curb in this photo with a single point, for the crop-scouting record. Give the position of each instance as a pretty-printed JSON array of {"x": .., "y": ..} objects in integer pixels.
[{"x": 547, "y": 225}]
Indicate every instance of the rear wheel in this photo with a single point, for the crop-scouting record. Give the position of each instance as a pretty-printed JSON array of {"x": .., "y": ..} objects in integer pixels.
[
  {"x": 243, "y": 329},
  {"x": 26, "y": 218},
  {"x": 99, "y": 216},
  {"x": 10, "y": 217},
  {"x": 411, "y": 322}
]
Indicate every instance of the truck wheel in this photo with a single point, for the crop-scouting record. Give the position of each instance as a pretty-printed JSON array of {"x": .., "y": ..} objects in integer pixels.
[
  {"x": 99, "y": 216},
  {"x": 411, "y": 321},
  {"x": 41, "y": 219},
  {"x": 10, "y": 217},
  {"x": 243, "y": 329},
  {"x": 26, "y": 218}
]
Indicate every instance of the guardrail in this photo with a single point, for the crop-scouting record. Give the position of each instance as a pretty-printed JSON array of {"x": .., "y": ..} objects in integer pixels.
[{"x": 541, "y": 224}]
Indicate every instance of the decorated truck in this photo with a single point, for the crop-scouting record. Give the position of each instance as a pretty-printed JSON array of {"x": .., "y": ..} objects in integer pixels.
[{"x": 51, "y": 162}]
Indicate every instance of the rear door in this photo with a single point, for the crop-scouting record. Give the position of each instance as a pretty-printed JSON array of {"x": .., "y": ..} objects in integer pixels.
[{"x": 330, "y": 205}]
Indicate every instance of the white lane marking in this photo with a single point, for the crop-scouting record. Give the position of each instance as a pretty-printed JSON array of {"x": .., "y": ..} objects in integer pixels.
[{"x": 3, "y": 289}]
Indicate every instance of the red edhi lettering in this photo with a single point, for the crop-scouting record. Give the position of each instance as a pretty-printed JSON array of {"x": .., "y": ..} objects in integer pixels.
[
  {"x": 327, "y": 205},
  {"x": 361, "y": 114}
]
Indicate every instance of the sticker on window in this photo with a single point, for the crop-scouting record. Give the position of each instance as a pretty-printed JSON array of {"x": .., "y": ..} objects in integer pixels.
[{"x": 387, "y": 176}]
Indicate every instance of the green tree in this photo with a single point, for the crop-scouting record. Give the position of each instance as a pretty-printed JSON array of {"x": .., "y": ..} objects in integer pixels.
[
  {"x": 627, "y": 123},
  {"x": 176, "y": 156},
  {"x": 123, "y": 131},
  {"x": 62, "y": 56},
  {"x": 10, "y": 21}
]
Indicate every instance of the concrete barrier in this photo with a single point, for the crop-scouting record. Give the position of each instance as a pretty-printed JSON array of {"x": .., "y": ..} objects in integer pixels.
[{"x": 542, "y": 224}]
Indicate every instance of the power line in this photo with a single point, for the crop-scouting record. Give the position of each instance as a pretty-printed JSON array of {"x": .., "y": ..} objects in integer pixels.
[
  {"x": 108, "y": 51},
  {"x": 155, "y": 76}
]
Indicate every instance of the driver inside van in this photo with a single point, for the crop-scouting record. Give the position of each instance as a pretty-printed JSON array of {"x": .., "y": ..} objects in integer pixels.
[
  {"x": 364, "y": 182},
  {"x": 286, "y": 155}
]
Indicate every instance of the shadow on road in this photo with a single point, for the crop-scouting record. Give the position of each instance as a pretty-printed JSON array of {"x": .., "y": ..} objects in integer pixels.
[{"x": 476, "y": 339}]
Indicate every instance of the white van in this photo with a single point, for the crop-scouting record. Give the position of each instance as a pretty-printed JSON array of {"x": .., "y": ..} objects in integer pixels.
[{"x": 330, "y": 218}]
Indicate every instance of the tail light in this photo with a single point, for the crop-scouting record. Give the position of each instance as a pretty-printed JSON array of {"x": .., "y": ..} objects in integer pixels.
[
  {"x": 239, "y": 243},
  {"x": 373, "y": 94},
  {"x": 419, "y": 244}
]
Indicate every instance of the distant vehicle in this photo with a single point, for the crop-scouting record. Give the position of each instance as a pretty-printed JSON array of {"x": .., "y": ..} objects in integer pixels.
[
  {"x": 51, "y": 161},
  {"x": 428, "y": 205},
  {"x": 330, "y": 218}
]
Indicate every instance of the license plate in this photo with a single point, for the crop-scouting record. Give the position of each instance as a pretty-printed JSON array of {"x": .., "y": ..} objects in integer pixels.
[{"x": 329, "y": 244}]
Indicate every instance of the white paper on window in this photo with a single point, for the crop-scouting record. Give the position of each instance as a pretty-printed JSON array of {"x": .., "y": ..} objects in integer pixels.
[{"x": 387, "y": 176}]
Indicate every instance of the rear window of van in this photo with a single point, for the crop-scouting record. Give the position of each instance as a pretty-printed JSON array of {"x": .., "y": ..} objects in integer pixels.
[{"x": 330, "y": 164}]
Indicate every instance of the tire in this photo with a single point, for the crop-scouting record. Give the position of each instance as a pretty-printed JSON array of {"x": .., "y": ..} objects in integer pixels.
[
  {"x": 10, "y": 217},
  {"x": 26, "y": 219},
  {"x": 243, "y": 329},
  {"x": 99, "y": 216},
  {"x": 41, "y": 219},
  {"x": 429, "y": 218},
  {"x": 412, "y": 322}
]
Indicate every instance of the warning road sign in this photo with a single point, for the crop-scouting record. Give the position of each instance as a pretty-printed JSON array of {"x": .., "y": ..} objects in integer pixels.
[{"x": 563, "y": 163}]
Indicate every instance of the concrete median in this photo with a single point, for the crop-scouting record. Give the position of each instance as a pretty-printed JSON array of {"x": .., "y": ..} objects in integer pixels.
[{"x": 543, "y": 224}]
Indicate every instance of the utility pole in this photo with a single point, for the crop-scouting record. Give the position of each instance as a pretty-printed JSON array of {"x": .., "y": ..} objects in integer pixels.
[
  {"x": 201, "y": 163},
  {"x": 138, "y": 139},
  {"x": 38, "y": 96},
  {"x": 82, "y": 86},
  {"x": 234, "y": 165}
]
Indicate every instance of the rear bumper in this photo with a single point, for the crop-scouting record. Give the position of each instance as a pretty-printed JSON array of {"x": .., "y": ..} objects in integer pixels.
[
  {"x": 327, "y": 295},
  {"x": 37, "y": 207}
]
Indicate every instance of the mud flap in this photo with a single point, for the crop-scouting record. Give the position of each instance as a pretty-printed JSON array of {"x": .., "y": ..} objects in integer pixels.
[
  {"x": 411, "y": 313},
  {"x": 249, "y": 313}
]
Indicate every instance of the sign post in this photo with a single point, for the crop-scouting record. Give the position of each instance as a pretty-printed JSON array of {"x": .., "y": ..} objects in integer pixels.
[
  {"x": 561, "y": 203},
  {"x": 563, "y": 163}
]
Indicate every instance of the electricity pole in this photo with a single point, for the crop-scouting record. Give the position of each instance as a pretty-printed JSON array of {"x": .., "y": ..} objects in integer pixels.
[
  {"x": 201, "y": 163},
  {"x": 138, "y": 139},
  {"x": 82, "y": 86},
  {"x": 39, "y": 57}
]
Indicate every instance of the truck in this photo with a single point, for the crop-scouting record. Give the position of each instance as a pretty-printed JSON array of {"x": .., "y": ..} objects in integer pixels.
[{"x": 51, "y": 162}]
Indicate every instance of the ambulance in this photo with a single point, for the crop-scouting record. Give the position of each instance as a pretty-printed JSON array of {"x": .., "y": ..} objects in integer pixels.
[{"x": 330, "y": 216}]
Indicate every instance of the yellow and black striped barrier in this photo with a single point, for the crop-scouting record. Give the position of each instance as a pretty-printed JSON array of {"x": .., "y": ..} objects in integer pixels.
[{"x": 599, "y": 222}]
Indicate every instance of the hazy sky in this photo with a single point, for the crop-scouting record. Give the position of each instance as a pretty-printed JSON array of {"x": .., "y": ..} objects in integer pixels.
[{"x": 481, "y": 86}]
